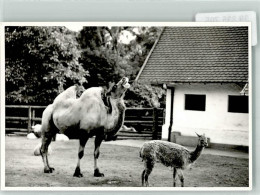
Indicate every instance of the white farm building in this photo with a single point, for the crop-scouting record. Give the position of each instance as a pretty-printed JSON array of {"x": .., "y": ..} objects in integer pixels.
[{"x": 206, "y": 73}]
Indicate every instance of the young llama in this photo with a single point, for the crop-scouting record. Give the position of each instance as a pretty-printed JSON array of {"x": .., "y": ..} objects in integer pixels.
[{"x": 169, "y": 154}]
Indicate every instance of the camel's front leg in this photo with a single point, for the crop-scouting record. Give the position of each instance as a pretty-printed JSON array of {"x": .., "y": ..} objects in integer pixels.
[
  {"x": 98, "y": 141},
  {"x": 82, "y": 142},
  {"x": 46, "y": 140}
]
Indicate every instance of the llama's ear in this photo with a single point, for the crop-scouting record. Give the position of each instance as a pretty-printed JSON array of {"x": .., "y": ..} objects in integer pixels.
[{"x": 198, "y": 135}]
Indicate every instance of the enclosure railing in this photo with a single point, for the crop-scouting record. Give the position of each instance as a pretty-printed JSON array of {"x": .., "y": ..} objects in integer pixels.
[
  {"x": 146, "y": 121},
  {"x": 16, "y": 115}
]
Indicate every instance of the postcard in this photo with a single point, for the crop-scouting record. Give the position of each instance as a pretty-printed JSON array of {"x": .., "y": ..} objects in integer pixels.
[{"x": 129, "y": 106}]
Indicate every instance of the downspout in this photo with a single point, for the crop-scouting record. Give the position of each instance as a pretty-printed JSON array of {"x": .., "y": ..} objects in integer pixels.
[{"x": 171, "y": 115}]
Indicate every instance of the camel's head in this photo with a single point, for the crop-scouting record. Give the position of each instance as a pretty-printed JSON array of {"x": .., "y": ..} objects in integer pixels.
[
  {"x": 202, "y": 140},
  {"x": 119, "y": 89}
]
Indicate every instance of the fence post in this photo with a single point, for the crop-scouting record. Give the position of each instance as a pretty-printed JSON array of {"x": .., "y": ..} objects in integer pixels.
[
  {"x": 29, "y": 119},
  {"x": 155, "y": 123},
  {"x": 33, "y": 116}
]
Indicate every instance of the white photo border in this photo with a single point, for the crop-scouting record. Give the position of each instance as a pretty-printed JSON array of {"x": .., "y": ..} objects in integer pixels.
[{"x": 155, "y": 189}]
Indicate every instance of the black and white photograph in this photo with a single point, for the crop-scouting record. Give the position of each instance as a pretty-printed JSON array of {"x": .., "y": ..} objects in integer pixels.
[{"x": 127, "y": 106}]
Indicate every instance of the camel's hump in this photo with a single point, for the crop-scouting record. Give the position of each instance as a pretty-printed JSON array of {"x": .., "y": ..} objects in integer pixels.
[
  {"x": 71, "y": 92},
  {"x": 92, "y": 92}
]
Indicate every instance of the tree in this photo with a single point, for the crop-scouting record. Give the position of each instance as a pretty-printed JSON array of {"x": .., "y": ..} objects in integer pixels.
[
  {"x": 100, "y": 54},
  {"x": 40, "y": 63},
  {"x": 108, "y": 55}
]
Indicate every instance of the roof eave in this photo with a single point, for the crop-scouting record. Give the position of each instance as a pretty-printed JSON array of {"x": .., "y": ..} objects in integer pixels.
[{"x": 174, "y": 83}]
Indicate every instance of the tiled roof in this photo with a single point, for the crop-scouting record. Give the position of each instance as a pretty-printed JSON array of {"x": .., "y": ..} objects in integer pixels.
[{"x": 198, "y": 54}]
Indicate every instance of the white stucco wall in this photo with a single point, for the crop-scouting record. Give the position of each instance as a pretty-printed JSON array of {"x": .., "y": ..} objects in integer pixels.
[{"x": 216, "y": 122}]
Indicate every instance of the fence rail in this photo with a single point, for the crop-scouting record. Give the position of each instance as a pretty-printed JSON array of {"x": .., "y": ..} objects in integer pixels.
[{"x": 146, "y": 121}]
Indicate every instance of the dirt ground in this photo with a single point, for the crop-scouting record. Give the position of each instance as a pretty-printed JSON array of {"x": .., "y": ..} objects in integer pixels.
[{"x": 121, "y": 165}]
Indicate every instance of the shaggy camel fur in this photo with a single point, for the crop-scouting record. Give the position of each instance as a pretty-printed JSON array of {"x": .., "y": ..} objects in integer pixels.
[
  {"x": 85, "y": 117},
  {"x": 169, "y": 154}
]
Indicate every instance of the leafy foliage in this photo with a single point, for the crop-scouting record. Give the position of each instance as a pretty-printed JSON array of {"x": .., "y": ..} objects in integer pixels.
[
  {"x": 100, "y": 54},
  {"x": 40, "y": 63},
  {"x": 108, "y": 57},
  {"x": 145, "y": 95},
  {"x": 43, "y": 61}
]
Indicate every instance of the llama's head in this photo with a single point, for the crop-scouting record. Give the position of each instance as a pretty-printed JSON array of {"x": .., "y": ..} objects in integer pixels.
[
  {"x": 202, "y": 140},
  {"x": 119, "y": 89}
]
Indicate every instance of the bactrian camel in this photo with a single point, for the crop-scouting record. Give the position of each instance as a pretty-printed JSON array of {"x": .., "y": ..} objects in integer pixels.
[
  {"x": 169, "y": 154},
  {"x": 85, "y": 117}
]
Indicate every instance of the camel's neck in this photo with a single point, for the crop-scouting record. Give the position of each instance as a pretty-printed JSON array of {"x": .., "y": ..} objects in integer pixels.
[
  {"x": 196, "y": 153},
  {"x": 117, "y": 116}
]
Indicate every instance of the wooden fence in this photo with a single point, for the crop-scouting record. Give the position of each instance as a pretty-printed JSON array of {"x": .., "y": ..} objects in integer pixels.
[
  {"x": 20, "y": 119},
  {"x": 146, "y": 121}
]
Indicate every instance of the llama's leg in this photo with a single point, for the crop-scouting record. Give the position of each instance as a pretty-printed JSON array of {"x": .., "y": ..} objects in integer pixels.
[
  {"x": 149, "y": 164},
  {"x": 174, "y": 176},
  {"x": 46, "y": 140},
  {"x": 98, "y": 141},
  {"x": 143, "y": 173},
  {"x": 82, "y": 142},
  {"x": 181, "y": 177}
]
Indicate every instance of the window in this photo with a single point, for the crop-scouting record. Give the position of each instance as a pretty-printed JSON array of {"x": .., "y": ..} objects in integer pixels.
[
  {"x": 238, "y": 104},
  {"x": 195, "y": 102}
]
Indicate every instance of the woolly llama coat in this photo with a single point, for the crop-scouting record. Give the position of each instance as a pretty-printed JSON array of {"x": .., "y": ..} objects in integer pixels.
[{"x": 169, "y": 154}]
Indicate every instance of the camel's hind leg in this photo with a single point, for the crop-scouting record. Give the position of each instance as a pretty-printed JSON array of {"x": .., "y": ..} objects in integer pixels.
[
  {"x": 48, "y": 132},
  {"x": 82, "y": 142},
  {"x": 46, "y": 140}
]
